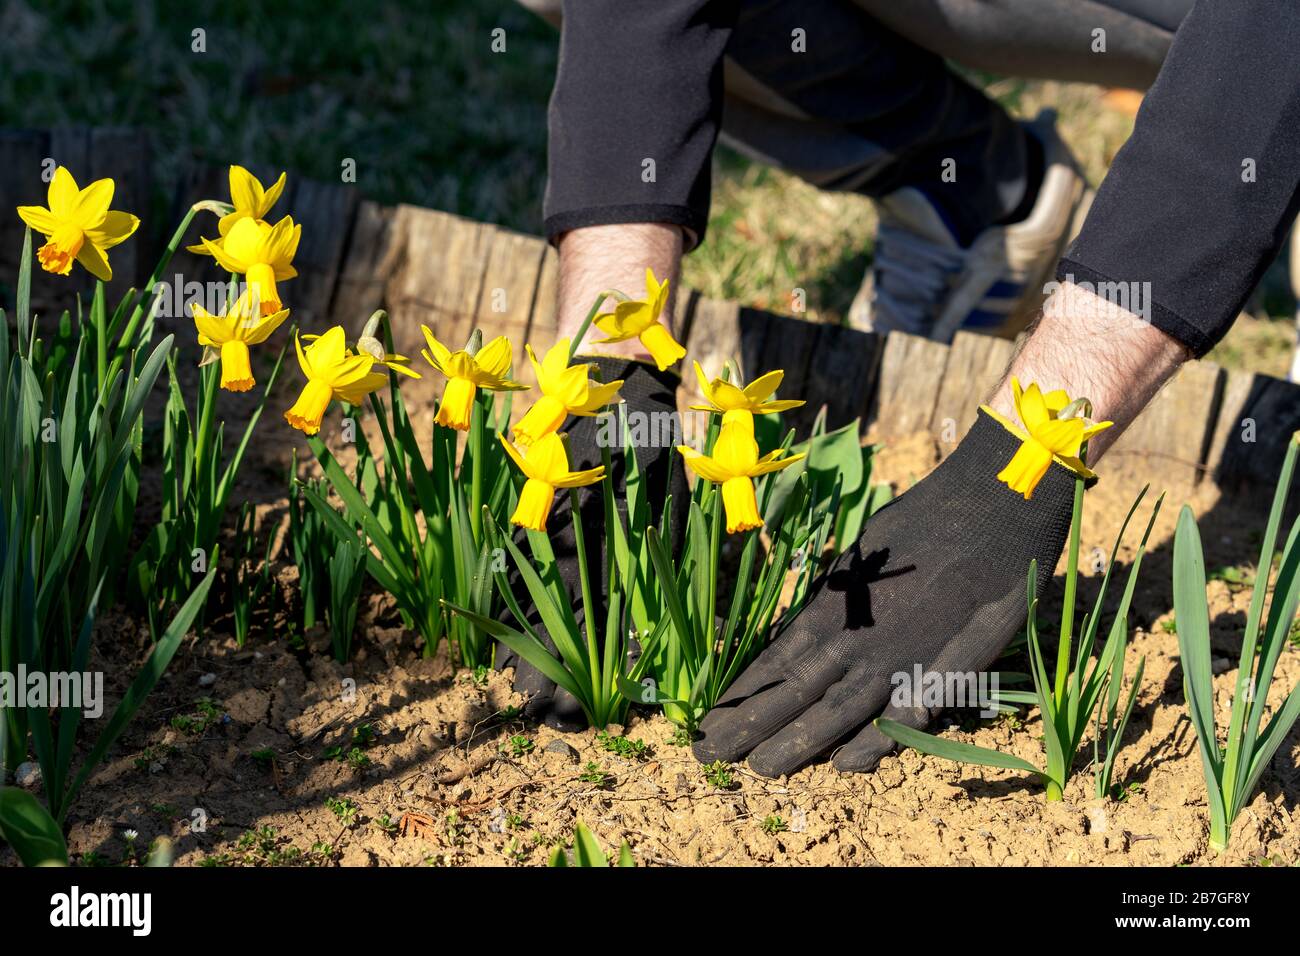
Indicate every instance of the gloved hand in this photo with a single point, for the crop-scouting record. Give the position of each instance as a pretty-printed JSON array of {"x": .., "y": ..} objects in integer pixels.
[
  {"x": 938, "y": 578},
  {"x": 645, "y": 391}
]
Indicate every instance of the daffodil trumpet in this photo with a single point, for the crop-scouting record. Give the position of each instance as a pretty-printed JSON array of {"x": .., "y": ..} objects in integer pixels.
[
  {"x": 566, "y": 390},
  {"x": 733, "y": 465},
  {"x": 231, "y": 333}
]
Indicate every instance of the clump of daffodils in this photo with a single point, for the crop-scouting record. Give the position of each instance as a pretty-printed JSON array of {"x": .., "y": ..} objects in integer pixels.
[
  {"x": 1051, "y": 432},
  {"x": 735, "y": 461}
]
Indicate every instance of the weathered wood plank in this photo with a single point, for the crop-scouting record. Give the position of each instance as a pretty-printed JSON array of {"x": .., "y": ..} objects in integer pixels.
[
  {"x": 510, "y": 280},
  {"x": 22, "y": 153},
  {"x": 714, "y": 340},
  {"x": 789, "y": 344},
  {"x": 841, "y": 374},
  {"x": 975, "y": 365},
  {"x": 326, "y": 212},
  {"x": 911, "y": 370},
  {"x": 1172, "y": 433},
  {"x": 366, "y": 264},
  {"x": 1257, "y": 417},
  {"x": 439, "y": 278},
  {"x": 123, "y": 155}
]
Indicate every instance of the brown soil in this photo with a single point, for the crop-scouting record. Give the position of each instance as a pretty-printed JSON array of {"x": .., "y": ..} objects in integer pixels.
[{"x": 444, "y": 753}]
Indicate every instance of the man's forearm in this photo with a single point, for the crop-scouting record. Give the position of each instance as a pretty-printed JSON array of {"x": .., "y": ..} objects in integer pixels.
[
  {"x": 1095, "y": 350},
  {"x": 597, "y": 259}
]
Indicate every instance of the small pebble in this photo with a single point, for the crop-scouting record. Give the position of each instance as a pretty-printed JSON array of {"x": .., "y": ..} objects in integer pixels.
[
  {"x": 28, "y": 776},
  {"x": 558, "y": 746},
  {"x": 207, "y": 680},
  {"x": 1220, "y": 664}
]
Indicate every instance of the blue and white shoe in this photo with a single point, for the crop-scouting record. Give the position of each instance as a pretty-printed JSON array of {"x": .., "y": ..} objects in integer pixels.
[{"x": 924, "y": 283}]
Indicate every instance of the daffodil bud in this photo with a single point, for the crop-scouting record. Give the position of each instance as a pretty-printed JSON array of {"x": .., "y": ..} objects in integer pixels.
[
  {"x": 372, "y": 347},
  {"x": 475, "y": 342}
]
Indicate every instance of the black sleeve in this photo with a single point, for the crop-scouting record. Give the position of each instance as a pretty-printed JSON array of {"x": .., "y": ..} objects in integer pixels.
[
  {"x": 638, "y": 81},
  {"x": 1199, "y": 200}
]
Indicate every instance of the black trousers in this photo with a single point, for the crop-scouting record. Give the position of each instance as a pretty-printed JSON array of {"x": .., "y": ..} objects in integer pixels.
[{"x": 859, "y": 95}]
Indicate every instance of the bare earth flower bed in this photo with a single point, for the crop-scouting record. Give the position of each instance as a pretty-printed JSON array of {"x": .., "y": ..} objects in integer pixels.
[{"x": 425, "y": 766}]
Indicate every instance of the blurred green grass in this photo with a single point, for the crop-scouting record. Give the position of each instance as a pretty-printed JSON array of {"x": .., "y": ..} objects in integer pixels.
[
  {"x": 412, "y": 92},
  {"x": 416, "y": 96}
]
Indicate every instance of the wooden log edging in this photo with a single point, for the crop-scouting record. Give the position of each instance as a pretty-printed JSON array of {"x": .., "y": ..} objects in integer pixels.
[{"x": 451, "y": 273}]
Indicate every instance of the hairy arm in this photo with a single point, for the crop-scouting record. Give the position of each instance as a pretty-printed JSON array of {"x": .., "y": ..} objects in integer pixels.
[
  {"x": 597, "y": 259},
  {"x": 1097, "y": 350}
]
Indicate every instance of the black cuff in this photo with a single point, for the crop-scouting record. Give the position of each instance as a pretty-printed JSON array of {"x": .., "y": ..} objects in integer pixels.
[{"x": 692, "y": 222}]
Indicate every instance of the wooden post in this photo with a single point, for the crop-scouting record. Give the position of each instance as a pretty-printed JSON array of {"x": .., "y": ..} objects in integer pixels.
[
  {"x": 975, "y": 365},
  {"x": 911, "y": 370},
  {"x": 1172, "y": 434}
]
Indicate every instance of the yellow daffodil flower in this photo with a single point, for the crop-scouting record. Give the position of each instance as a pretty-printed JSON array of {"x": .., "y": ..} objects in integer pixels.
[
  {"x": 1045, "y": 438},
  {"x": 466, "y": 374},
  {"x": 639, "y": 319},
  {"x": 333, "y": 371},
  {"x": 546, "y": 465},
  {"x": 233, "y": 332},
  {"x": 375, "y": 349},
  {"x": 78, "y": 225},
  {"x": 566, "y": 390},
  {"x": 734, "y": 464},
  {"x": 733, "y": 401},
  {"x": 261, "y": 253},
  {"x": 250, "y": 200}
]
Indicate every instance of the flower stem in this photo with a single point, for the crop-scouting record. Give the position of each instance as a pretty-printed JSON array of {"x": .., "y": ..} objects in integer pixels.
[
  {"x": 1067, "y": 611},
  {"x": 588, "y": 605},
  {"x": 476, "y": 429},
  {"x": 126, "y": 340},
  {"x": 715, "y": 548},
  {"x": 101, "y": 334},
  {"x": 209, "y": 377},
  {"x": 591, "y": 317}
]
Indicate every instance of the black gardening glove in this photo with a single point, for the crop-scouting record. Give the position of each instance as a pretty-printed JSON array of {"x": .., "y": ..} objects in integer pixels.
[
  {"x": 646, "y": 390},
  {"x": 938, "y": 579}
]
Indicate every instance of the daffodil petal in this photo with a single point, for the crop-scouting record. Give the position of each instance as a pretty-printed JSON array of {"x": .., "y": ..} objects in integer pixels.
[
  {"x": 704, "y": 466},
  {"x": 39, "y": 218},
  {"x": 95, "y": 261},
  {"x": 63, "y": 192},
  {"x": 116, "y": 227}
]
